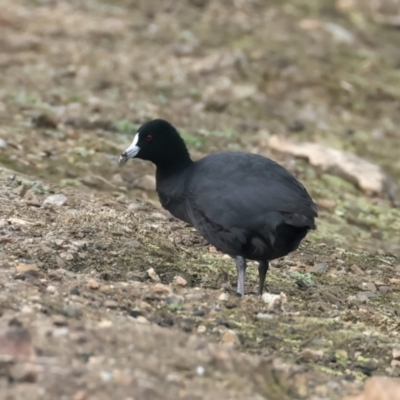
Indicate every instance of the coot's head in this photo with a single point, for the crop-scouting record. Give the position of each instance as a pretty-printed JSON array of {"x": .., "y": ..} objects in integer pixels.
[{"x": 159, "y": 142}]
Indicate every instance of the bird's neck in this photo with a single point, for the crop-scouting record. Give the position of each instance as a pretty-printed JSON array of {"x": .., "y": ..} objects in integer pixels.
[
  {"x": 170, "y": 170},
  {"x": 172, "y": 164}
]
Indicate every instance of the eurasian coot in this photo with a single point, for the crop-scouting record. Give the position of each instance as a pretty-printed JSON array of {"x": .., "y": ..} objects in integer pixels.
[{"x": 244, "y": 204}]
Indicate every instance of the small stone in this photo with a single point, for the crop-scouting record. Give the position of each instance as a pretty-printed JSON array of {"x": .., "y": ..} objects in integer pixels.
[
  {"x": 264, "y": 316},
  {"x": 200, "y": 370},
  {"x": 179, "y": 281},
  {"x": 75, "y": 291},
  {"x": 26, "y": 309},
  {"x": 56, "y": 200},
  {"x": 80, "y": 395},
  {"x": 230, "y": 337},
  {"x": 379, "y": 388},
  {"x": 320, "y": 267},
  {"x": 93, "y": 284},
  {"x": 275, "y": 301},
  {"x": 362, "y": 298},
  {"x": 147, "y": 182},
  {"x": 112, "y": 304},
  {"x": 60, "y": 332},
  {"x": 369, "y": 286},
  {"x": 161, "y": 289},
  {"x": 311, "y": 355},
  {"x": 328, "y": 204},
  {"x": 396, "y": 354},
  {"x": 66, "y": 256},
  {"x": 384, "y": 289},
  {"x": 105, "y": 376},
  {"x": 24, "y": 372},
  {"x": 59, "y": 320},
  {"x": 212, "y": 249},
  {"x": 368, "y": 294},
  {"x": 105, "y": 323},
  {"x": 44, "y": 121},
  {"x": 51, "y": 289},
  {"x": 134, "y": 206},
  {"x": 72, "y": 311},
  {"x": 223, "y": 297},
  {"x": 23, "y": 268},
  {"x": 153, "y": 275},
  {"x": 134, "y": 244},
  {"x": 16, "y": 343},
  {"x": 395, "y": 363},
  {"x": 329, "y": 297},
  {"x": 201, "y": 329},
  {"x": 142, "y": 320},
  {"x": 395, "y": 281},
  {"x": 355, "y": 269}
]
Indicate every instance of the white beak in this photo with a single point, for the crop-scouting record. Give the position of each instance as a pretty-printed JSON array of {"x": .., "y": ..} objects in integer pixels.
[{"x": 131, "y": 151}]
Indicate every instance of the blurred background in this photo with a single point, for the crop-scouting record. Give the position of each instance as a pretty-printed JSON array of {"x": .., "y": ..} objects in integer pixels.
[{"x": 78, "y": 77}]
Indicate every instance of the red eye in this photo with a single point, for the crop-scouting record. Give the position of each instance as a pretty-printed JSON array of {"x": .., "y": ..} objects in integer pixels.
[{"x": 149, "y": 137}]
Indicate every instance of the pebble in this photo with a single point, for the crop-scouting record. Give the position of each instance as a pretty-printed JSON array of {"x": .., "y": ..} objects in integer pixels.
[
  {"x": 179, "y": 281},
  {"x": 134, "y": 244},
  {"x": 105, "y": 323},
  {"x": 200, "y": 370},
  {"x": 80, "y": 395},
  {"x": 320, "y": 267},
  {"x": 60, "y": 332},
  {"x": 153, "y": 275},
  {"x": 161, "y": 288},
  {"x": 395, "y": 281},
  {"x": 147, "y": 182},
  {"x": 24, "y": 268},
  {"x": 396, "y": 354},
  {"x": 223, "y": 297},
  {"x": 274, "y": 301},
  {"x": 369, "y": 294},
  {"x": 93, "y": 284},
  {"x": 264, "y": 316},
  {"x": 26, "y": 309},
  {"x": 355, "y": 269},
  {"x": 369, "y": 286},
  {"x": 24, "y": 372},
  {"x": 379, "y": 388},
  {"x": 16, "y": 342},
  {"x": 105, "y": 376},
  {"x": 384, "y": 289},
  {"x": 65, "y": 255},
  {"x": 201, "y": 329},
  {"x": 230, "y": 337},
  {"x": 56, "y": 200},
  {"x": 112, "y": 304},
  {"x": 51, "y": 289},
  {"x": 72, "y": 311},
  {"x": 311, "y": 355},
  {"x": 59, "y": 320},
  {"x": 142, "y": 320}
]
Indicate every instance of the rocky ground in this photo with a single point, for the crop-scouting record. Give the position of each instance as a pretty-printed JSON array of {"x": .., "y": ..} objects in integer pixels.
[{"x": 103, "y": 294}]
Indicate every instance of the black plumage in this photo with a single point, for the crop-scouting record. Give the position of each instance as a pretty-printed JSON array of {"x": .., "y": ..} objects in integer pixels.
[{"x": 246, "y": 205}]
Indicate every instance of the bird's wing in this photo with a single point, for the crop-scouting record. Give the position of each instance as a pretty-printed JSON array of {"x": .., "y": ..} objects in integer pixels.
[{"x": 237, "y": 191}]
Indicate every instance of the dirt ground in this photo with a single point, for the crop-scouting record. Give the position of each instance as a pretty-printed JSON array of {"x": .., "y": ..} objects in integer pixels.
[{"x": 80, "y": 315}]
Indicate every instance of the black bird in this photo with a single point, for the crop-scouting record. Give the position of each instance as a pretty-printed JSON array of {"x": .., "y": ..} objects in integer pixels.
[{"x": 246, "y": 205}]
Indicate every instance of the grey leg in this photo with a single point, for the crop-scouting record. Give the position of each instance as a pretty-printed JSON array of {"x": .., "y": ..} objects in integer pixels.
[
  {"x": 262, "y": 273},
  {"x": 241, "y": 269}
]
